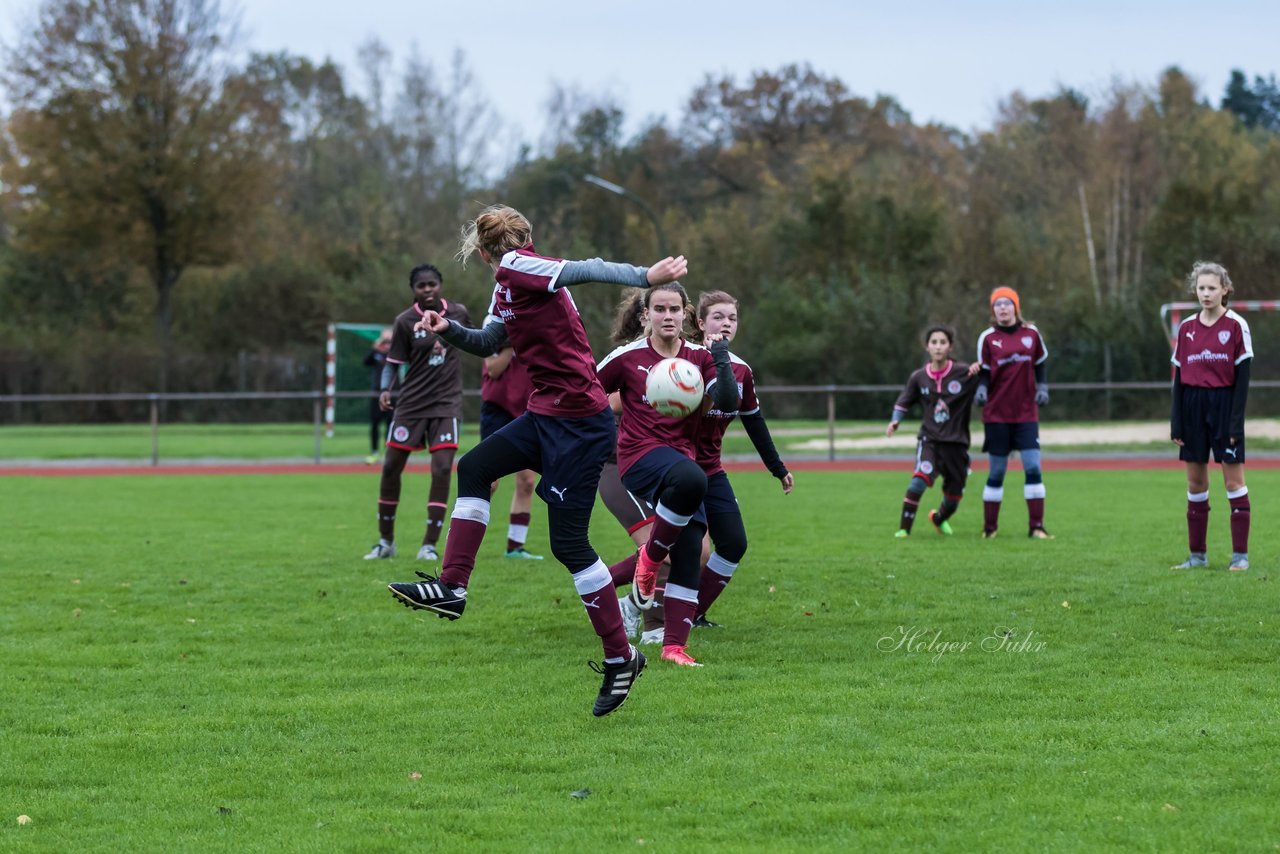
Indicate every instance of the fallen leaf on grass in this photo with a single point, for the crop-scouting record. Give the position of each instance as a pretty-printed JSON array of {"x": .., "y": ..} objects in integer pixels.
[
  {"x": 1170, "y": 808},
  {"x": 191, "y": 619},
  {"x": 76, "y": 612},
  {"x": 415, "y": 775},
  {"x": 24, "y": 819},
  {"x": 1066, "y": 604},
  {"x": 75, "y": 581},
  {"x": 772, "y": 589},
  {"x": 580, "y": 794},
  {"x": 808, "y": 613}
]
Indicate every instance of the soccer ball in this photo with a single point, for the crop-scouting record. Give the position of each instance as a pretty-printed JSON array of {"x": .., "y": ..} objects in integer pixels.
[{"x": 674, "y": 387}]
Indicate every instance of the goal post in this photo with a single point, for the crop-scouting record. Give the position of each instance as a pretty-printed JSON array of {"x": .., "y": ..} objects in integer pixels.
[
  {"x": 344, "y": 370},
  {"x": 1171, "y": 312}
]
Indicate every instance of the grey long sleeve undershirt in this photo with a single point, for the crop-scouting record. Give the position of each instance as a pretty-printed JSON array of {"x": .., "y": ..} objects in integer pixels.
[{"x": 492, "y": 337}]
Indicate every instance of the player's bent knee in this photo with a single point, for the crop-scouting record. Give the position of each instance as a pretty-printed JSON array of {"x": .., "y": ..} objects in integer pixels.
[{"x": 918, "y": 485}]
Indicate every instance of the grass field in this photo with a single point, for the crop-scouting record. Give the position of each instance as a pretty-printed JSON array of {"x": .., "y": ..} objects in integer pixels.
[{"x": 204, "y": 663}]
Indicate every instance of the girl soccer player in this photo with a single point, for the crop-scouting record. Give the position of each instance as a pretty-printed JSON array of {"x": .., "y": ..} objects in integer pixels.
[
  {"x": 1012, "y": 388},
  {"x": 656, "y": 458},
  {"x": 945, "y": 392},
  {"x": 566, "y": 433},
  {"x": 1211, "y": 362},
  {"x": 428, "y": 409}
]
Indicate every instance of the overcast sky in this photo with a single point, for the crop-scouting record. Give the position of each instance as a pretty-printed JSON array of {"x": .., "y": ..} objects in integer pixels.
[{"x": 950, "y": 62}]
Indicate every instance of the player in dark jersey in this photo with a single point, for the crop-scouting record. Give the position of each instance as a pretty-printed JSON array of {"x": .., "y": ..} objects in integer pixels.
[
  {"x": 565, "y": 435},
  {"x": 504, "y": 396},
  {"x": 1013, "y": 387},
  {"x": 944, "y": 389},
  {"x": 375, "y": 359},
  {"x": 427, "y": 409},
  {"x": 656, "y": 458},
  {"x": 1211, "y": 361}
]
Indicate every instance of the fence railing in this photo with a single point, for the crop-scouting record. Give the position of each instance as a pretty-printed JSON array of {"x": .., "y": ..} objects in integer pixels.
[{"x": 155, "y": 402}]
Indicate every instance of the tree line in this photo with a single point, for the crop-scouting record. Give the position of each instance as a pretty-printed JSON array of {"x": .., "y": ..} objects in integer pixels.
[{"x": 175, "y": 218}]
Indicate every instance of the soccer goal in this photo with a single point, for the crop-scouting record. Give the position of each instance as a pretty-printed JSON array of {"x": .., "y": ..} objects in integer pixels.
[{"x": 344, "y": 370}]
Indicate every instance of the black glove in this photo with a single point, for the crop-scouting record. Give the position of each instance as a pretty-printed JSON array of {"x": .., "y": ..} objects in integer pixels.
[
  {"x": 980, "y": 396},
  {"x": 1042, "y": 394}
]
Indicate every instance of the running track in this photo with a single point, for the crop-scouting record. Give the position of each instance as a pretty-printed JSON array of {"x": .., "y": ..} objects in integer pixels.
[{"x": 1067, "y": 463}]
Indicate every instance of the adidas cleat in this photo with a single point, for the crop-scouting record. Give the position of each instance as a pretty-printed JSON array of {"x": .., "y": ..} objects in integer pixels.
[
  {"x": 430, "y": 594},
  {"x": 619, "y": 679}
]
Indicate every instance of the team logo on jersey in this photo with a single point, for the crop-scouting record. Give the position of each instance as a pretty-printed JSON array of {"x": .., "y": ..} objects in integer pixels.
[
  {"x": 1224, "y": 336},
  {"x": 1026, "y": 340},
  {"x": 953, "y": 387},
  {"x": 941, "y": 412},
  {"x": 401, "y": 433}
]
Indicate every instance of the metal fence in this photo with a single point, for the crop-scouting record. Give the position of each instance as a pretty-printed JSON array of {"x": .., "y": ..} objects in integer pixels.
[{"x": 816, "y": 402}]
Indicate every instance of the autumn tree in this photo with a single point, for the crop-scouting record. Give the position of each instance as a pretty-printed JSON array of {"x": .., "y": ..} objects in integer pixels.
[{"x": 129, "y": 140}]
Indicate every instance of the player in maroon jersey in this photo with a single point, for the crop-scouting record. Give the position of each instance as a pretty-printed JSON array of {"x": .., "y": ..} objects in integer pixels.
[
  {"x": 428, "y": 409},
  {"x": 718, "y": 315},
  {"x": 1012, "y": 388},
  {"x": 1211, "y": 361},
  {"x": 944, "y": 389},
  {"x": 634, "y": 513},
  {"x": 504, "y": 394},
  {"x": 656, "y": 457},
  {"x": 566, "y": 433}
]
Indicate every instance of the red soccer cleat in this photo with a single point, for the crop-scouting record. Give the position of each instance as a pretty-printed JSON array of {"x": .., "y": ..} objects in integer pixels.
[{"x": 677, "y": 655}]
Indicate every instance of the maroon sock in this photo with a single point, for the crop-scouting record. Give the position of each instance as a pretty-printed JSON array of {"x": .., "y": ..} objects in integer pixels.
[
  {"x": 387, "y": 519},
  {"x": 710, "y": 586},
  {"x": 460, "y": 547},
  {"x": 1240, "y": 524},
  {"x": 677, "y": 621},
  {"x": 1198, "y": 526},
  {"x": 606, "y": 619},
  {"x": 910, "y": 505},
  {"x": 624, "y": 571},
  {"x": 662, "y": 538},
  {"x": 435, "y": 523},
  {"x": 990, "y": 515},
  {"x": 518, "y": 520},
  {"x": 1035, "y": 512}
]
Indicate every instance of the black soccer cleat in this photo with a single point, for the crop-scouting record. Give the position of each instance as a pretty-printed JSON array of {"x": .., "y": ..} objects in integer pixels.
[
  {"x": 431, "y": 594},
  {"x": 618, "y": 682},
  {"x": 701, "y": 622}
]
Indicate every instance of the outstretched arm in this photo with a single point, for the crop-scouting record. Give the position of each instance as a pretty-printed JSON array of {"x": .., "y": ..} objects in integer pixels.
[
  {"x": 485, "y": 341},
  {"x": 612, "y": 272}
]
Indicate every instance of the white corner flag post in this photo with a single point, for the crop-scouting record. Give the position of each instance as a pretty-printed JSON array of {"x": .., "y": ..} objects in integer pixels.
[{"x": 330, "y": 378}]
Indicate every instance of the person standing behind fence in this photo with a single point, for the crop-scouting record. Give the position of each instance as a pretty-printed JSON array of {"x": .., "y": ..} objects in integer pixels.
[
  {"x": 944, "y": 389},
  {"x": 1012, "y": 387},
  {"x": 504, "y": 396},
  {"x": 427, "y": 409},
  {"x": 375, "y": 359},
  {"x": 1211, "y": 361}
]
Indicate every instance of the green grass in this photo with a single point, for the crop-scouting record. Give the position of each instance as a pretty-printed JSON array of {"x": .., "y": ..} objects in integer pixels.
[
  {"x": 205, "y": 663},
  {"x": 297, "y": 441}
]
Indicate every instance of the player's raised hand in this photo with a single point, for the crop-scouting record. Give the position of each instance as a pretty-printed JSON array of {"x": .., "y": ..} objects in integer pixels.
[
  {"x": 667, "y": 270},
  {"x": 431, "y": 321}
]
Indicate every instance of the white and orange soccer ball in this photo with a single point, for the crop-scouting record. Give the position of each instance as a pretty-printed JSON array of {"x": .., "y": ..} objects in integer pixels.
[{"x": 674, "y": 387}]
